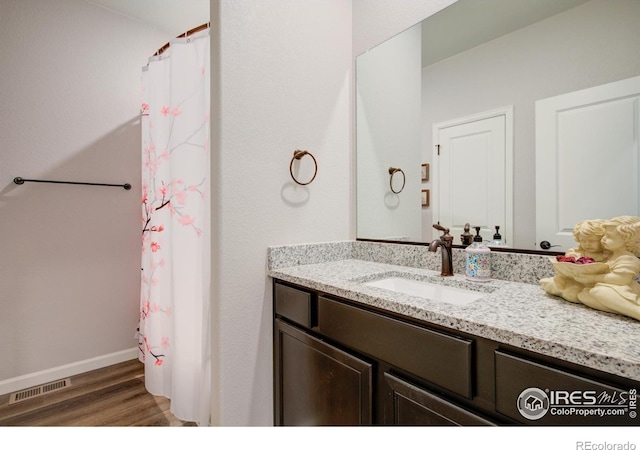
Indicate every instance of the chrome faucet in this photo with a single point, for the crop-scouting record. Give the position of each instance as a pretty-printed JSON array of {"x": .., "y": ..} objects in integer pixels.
[{"x": 444, "y": 243}]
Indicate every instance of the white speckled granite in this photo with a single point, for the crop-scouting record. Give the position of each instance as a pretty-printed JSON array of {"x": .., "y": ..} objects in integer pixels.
[
  {"x": 523, "y": 268},
  {"x": 300, "y": 254},
  {"x": 515, "y": 313}
]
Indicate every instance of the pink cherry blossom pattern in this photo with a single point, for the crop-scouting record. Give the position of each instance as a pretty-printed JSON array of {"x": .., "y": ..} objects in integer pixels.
[
  {"x": 186, "y": 220},
  {"x": 180, "y": 197}
]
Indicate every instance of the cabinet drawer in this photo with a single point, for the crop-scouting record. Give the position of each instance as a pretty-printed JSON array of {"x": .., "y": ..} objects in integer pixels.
[
  {"x": 536, "y": 394},
  {"x": 417, "y": 350},
  {"x": 411, "y": 405},
  {"x": 294, "y": 304}
]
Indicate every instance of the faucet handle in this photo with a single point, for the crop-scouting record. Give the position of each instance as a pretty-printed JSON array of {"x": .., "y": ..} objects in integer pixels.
[
  {"x": 446, "y": 237},
  {"x": 437, "y": 226}
]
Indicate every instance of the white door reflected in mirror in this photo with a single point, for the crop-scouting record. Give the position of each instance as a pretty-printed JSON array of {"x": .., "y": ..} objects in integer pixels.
[
  {"x": 473, "y": 173},
  {"x": 587, "y": 158}
]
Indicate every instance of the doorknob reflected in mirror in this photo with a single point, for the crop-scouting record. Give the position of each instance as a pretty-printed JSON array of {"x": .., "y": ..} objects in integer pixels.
[{"x": 546, "y": 245}]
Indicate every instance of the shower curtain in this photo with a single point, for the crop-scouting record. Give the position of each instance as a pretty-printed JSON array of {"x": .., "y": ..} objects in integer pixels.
[{"x": 174, "y": 321}]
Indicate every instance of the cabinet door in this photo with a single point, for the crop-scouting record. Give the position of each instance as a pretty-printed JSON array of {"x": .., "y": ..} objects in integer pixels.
[
  {"x": 408, "y": 404},
  {"x": 318, "y": 384}
]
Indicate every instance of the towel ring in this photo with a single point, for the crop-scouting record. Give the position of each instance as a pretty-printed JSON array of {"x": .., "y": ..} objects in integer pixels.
[
  {"x": 299, "y": 154},
  {"x": 392, "y": 172}
]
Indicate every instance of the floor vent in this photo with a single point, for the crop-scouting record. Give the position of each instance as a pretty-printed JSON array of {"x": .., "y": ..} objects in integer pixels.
[{"x": 37, "y": 391}]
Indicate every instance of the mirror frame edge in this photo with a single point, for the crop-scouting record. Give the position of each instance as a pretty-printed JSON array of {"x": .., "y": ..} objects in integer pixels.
[{"x": 462, "y": 247}]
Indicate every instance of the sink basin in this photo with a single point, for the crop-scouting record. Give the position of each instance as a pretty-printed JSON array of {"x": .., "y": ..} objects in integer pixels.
[{"x": 437, "y": 292}]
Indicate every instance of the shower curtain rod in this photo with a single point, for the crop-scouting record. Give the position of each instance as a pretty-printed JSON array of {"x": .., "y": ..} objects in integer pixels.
[
  {"x": 162, "y": 49},
  {"x": 20, "y": 180}
]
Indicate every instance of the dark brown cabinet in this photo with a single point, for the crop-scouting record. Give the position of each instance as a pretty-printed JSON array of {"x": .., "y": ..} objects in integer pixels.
[
  {"x": 409, "y": 404},
  {"x": 415, "y": 349},
  {"x": 318, "y": 384},
  {"x": 567, "y": 396},
  {"x": 337, "y": 362}
]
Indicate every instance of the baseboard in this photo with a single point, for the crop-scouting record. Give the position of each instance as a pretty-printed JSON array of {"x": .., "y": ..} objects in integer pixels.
[{"x": 45, "y": 376}]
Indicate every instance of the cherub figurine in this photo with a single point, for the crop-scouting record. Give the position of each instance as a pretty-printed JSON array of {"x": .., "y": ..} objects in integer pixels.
[
  {"x": 617, "y": 290},
  {"x": 588, "y": 234}
]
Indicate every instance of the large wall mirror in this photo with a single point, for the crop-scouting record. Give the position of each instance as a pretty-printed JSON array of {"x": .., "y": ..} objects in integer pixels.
[{"x": 480, "y": 70}]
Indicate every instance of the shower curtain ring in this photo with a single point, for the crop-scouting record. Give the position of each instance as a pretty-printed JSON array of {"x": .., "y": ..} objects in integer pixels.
[{"x": 298, "y": 155}]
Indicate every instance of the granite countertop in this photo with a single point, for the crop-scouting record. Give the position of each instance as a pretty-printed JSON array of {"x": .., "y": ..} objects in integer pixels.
[{"x": 513, "y": 313}]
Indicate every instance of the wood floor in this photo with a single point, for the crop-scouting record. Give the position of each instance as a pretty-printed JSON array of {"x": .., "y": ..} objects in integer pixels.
[{"x": 112, "y": 396}]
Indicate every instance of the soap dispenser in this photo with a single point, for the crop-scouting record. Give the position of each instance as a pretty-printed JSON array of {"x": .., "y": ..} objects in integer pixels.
[
  {"x": 497, "y": 239},
  {"x": 477, "y": 237},
  {"x": 478, "y": 259}
]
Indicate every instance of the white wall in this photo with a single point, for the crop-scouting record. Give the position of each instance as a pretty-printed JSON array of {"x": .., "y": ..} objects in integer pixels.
[
  {"x": 69, "y": 255},
  {"x": 374, "y": 22},
  {"x": 388, "y": 134},
  {"x": 284, "y": 84}
]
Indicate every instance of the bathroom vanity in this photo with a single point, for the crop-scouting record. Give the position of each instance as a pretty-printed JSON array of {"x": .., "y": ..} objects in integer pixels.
[{"x": 349, "y": 353}]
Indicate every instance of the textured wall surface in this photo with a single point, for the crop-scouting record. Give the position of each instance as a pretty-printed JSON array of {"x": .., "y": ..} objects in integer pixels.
[
  {"x": 284, "y": 85},
  {"x": 70, "y": 264}
]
